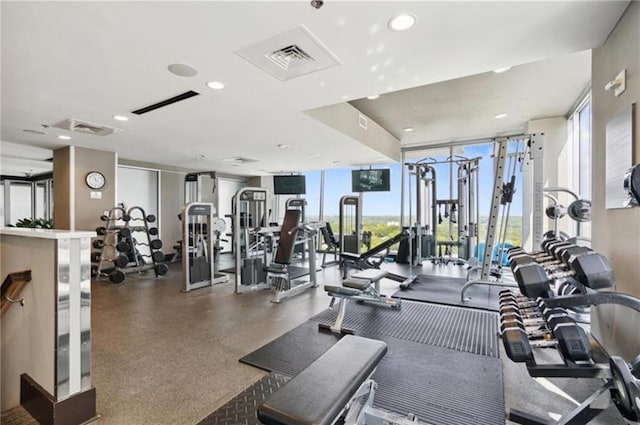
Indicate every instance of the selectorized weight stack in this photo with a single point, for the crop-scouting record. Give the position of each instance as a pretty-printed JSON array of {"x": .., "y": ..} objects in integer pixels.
[
  {"x": 250, "y": 272},
  {"x": 200, "y": 230}
]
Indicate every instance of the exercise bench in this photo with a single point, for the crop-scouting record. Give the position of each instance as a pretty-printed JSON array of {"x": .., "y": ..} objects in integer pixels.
[
  {"x": 337, "y": 382},
  {"x": 362, "y": 286}
]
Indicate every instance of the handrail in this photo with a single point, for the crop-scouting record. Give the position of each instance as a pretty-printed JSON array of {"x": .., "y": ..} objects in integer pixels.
[{"x": 11, "y": 288}]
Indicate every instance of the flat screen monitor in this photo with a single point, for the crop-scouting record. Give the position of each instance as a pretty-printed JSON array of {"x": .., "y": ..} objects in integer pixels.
[
  {"x": 371, "y": 180},
  {"x": 289, "y": 185}
]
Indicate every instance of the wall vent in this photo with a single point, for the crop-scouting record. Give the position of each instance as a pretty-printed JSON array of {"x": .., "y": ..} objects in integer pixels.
[
  {"x": 80, "y": 126},
  {"x": 290, "y": 54},
  {"x": 362, "y": 121},
  {"x": 166, "y": 102}
]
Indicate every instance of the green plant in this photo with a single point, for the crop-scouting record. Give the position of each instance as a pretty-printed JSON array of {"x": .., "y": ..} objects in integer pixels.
[{"x": 38, "y": 223}]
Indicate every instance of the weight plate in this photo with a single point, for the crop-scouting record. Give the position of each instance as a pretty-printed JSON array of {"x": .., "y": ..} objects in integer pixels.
[
  {"x": 98, "y": 243},
  {"x": 124, "y": 232},
  {"x": 104, "y": 217},
  {"x": 126, "y": 217},
  {"x": 157, "y": 256},
  {"x": 95, "y": 257},
  {"x": 122, "y": 246},
  {"x": 153, "y": 231},
  {"x": 156, "y": 244},
  {"x": 101, "y": 230},
  {"x": 161, "y": 269},
  {"x": 151, "y": 218},
  {"x": 117, "y": 276},
  {"x": 580, "y": 210},
  {"x": 121, "y": 261}
]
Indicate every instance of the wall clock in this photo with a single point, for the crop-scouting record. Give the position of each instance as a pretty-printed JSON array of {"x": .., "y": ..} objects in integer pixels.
[{"x": 95, "y": 180}]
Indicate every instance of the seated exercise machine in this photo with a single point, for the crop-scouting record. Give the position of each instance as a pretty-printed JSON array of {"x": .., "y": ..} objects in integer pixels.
[
  {"x": 336, "y": 386},
  {"x": 364, "y": 287},
  {"x": 332, "y": 246},
  {"x": 537, "y": 317},
  {"x": 277, "y": 271},
  {"x": 200, "y": 232},
  {"x": 372, "y": 260}
]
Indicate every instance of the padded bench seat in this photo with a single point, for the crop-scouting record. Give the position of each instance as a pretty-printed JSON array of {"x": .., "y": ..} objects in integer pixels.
[
  {"x": 373, "y": 275},
  {"x": 319, "y": 393},
  {"x": 360, "y": 284}
]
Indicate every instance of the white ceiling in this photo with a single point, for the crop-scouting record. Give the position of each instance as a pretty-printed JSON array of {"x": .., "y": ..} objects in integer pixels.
[
  {"x": 465, "y": 108},
  {"x": 90, "y": 60}
]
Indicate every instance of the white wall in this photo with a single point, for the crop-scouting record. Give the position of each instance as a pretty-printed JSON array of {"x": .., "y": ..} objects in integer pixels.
[
  {"x": 138, "y": 187},
  {"x": 615, "y": 232}
]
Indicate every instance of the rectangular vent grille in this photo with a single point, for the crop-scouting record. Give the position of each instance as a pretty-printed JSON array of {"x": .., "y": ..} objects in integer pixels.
[
  {"x": 166, "y": 102},
  {"x": 73, "y": 124},
  {"x": 290, "y": 57}
]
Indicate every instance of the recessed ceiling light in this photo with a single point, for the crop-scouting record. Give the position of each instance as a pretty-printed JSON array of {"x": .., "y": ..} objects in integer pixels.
[
  {"x": 402, "y": 22},
  {"x": 63, "y": 137},
  {"x": 501, "y": 70},
  {"x": 215, "y": 85},
  {"x": 408, "y": 129},
  {"x": 182, "y": 70},
  {"x": 283, "y": 146},
  {"x": 120, "y": 118},
  {"x": 498, "y": 116},
  {"x": 373, "y": 97}
]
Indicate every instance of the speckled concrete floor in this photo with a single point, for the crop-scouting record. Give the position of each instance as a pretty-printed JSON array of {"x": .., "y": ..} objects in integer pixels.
[{"x": 161, "y": 356}]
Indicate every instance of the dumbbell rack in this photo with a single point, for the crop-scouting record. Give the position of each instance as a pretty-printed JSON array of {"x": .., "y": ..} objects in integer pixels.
[
  {"x": 110, "y": 244},
  {"x": 130, "y": 260},
  {"x": 139, "y": 222}
]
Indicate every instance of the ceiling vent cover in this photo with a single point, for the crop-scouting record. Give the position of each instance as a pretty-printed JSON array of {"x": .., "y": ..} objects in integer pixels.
[
  {"x": 240, "y": 160},
  {"x": 290, "y": 57},
  {"x": 85, "y": 127},
  {"x": 290, "y": 54}
]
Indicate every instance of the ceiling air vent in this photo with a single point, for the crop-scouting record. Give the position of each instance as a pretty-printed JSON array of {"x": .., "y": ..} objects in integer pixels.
[
  {"x": 290, "y": 54},
  {"x": 166, "y": 102},
  {"x": 290, "y": 57},
  {"x": 85, "y": 127},
  {"x": 240, "y": 160}
]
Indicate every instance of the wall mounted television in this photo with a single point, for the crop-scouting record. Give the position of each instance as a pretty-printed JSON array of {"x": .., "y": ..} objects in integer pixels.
[
  {"x": 289, "y": 185},
  {"x": 378, "y": 180}
]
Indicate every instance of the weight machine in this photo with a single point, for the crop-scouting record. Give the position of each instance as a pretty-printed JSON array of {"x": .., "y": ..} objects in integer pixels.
[
  {"x": 248, "y": 247},
  {"x": 350, "y": 224},
  {"x": 200, "y": 233},
  {"x": 298, "y": 204},
  {"x": 463, "y": 211},
  {"x": 530, "y": 159}
]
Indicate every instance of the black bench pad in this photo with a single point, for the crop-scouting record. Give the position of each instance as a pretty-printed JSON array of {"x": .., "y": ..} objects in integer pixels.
[{"x": 317, "y": 394}]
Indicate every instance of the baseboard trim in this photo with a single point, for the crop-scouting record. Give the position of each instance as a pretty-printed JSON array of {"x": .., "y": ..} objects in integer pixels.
[{"x": 77, "y": 409}]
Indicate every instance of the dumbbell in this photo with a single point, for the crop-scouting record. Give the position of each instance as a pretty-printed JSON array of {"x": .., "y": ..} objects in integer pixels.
[
  {"x": 161, "y": 269},
  {"x": 154, "y": 244},
  {"x": 119, "y": 261},
  {"x": 554, "y": 253},
  {"x": 572, "y": 341},
  {"x": 117, "y": 276},
  {"x": 151, "y": 218},
  {"x": 592, "y": 270},
  {"x": 550, "y": 317},
  {"x": 562, "y": 255},
  {"x": 121, "y": 246},
  {"x": 153, "y": 231},
  {"x": 625, "y": 392}
]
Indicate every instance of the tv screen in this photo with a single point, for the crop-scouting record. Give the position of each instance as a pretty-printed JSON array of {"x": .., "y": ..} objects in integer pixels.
[
  {"x": 289, "y": 185},
  {"x": 371, "y": 180}
]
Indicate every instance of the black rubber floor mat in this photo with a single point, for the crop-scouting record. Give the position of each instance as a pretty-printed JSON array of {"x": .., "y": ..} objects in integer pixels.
[
  {"x": 241, "y": 410},
  {"x": 295, "y": 272},
  {"x": 446, "y": 290},
  {"x": 440, "y": 386},
  {"x": 293, "y": 351},
  {"x": 461, "y": 329}
]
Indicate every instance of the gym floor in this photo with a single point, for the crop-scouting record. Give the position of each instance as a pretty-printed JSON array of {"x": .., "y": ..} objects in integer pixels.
[{"x": 165, "y": 357}]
